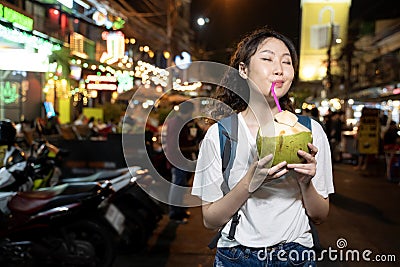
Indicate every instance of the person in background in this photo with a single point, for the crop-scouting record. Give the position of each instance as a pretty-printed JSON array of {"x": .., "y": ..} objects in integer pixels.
[
  {"x": 391, "y": 135},
  {"x": 53, "y": 124},
  {"x": 384, "y": 122},
  {"x": 335, "y": 135},
  {"x": 81, "y": 120},
  {"x": 314, "y": 113},
  {"x": 181, "y": 140},
  {"x": 391, "y": 144}
]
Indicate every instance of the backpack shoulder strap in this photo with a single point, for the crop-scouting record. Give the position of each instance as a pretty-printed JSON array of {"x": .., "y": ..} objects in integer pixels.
[
  {"x": 305, "y": 120},
  {"x": 228, "y": 137}
]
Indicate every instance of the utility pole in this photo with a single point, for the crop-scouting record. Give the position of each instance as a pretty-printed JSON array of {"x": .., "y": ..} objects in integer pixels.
[
  {"x": 329, "y": 83},
  {"x": 171, "y": 21}
]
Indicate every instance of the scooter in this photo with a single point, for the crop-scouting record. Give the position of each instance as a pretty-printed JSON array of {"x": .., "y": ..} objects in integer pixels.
[
  {"x": 13, "y": 170},
  {"x": 64, "y": 225},
  {"x": 139, "y": 212},
  {"x": 109, "y": 212}
]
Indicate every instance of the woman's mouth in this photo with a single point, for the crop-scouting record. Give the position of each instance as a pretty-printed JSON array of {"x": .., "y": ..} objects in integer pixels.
[{"x": 278, "y": 84}]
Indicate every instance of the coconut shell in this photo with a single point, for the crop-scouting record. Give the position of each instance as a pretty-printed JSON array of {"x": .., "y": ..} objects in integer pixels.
[{"x": 290, "y": 136}]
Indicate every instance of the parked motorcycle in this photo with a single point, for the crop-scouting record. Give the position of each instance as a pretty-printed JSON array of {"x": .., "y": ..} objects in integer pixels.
[
  {"x": 43, "y": 164},
  {"x": 131, "y": 211},
  {"x": 13, "y": 161},
  {"x": 139, "y": 211},
  {"x": 65, "y": 225}
]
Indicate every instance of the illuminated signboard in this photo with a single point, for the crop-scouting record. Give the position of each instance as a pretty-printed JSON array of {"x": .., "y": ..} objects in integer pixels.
[
  {"x": 115, "y": 47},
  {"x": 101, "y": 86},
  {"x": 17, "y": 36},
  {"x": 96, "y": 82},
  {"x": 9, "y": 92},
  {"x": 96, "y": 78},
  {"x": 16, "y": 18},
  {"x": 67, "y": 3},
  {"x": 23, "y": 60},
  {"x": 320, "y": 19}
]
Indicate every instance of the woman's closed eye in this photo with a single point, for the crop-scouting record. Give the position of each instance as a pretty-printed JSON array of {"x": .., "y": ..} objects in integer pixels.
[{"x": 266, "y": 59}]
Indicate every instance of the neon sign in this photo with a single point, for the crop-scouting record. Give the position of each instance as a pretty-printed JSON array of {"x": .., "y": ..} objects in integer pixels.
[
  {"x": 101, "y": 86},
  {"x": 9, "y": 92},
  {"x": 96, "y": 78},
  {"x": 101, "y": 82},
  {"x": 22, "y": 37},
  {"x": 16, "y": 18},
  {"x": 115, "y": 47}
]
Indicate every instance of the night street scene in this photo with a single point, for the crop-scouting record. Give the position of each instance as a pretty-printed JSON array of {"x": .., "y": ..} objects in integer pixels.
[{"x": 199, "y": 133}]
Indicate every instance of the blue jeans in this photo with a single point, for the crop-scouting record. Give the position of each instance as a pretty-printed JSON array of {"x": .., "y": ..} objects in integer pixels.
[
  {"x": 282, "y": 255},
  {"x": 179, "y": 177}
]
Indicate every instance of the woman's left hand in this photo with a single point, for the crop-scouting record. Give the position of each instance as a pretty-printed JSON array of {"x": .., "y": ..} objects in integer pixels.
[{"x": 307, "y": 170}]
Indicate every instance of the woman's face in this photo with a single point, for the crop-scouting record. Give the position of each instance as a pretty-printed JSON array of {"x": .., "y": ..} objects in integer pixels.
[{"x": 271, "y": 63}]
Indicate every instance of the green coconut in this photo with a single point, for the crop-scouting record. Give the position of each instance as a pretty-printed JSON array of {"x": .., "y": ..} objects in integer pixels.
[
  {"x": 283, "y": 147},
  {"x": 289, "y": 136}
]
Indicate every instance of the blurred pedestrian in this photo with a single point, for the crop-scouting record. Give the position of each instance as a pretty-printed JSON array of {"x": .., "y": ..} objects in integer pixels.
[
  {"x": 335, "y": 135},
  {"x": 181, "y": 149},
  {"x": 391, "y": 145},
  {"x": 391, "y": 135},
  {"x": 314, "y": 113},
  {"x": 81, "y": 120},
  {"x": 53, "y": 124}
]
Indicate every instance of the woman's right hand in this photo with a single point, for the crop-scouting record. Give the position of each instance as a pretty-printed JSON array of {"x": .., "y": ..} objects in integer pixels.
[
  {"x": 218, "y": 213},
  {"x": 260, "y": 172}
]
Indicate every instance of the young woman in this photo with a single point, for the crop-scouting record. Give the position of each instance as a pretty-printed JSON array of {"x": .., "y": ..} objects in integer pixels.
[{"x": 273, "y": 226}]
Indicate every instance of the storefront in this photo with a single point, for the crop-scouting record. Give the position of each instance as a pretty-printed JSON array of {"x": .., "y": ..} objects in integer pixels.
[{"x": 24, "y": 61}]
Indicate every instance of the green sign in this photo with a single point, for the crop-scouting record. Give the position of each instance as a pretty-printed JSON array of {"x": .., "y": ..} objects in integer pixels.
[
  {"x": 9, "y": 92},
  {"x": 16, "y": 18}
]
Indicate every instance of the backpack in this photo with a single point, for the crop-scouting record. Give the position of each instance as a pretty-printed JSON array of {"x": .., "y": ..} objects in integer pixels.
[{"x": 228, "y": 137}]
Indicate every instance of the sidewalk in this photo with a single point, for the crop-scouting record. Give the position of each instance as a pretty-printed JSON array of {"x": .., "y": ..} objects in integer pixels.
[{"x": 364, "y": 214}]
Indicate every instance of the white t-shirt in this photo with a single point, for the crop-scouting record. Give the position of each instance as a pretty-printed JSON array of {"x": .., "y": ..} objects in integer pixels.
[{"x": 274, "y": 213}]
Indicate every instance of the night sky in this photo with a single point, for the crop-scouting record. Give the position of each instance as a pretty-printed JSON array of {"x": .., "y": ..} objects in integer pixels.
[{"x": 232, "y": 19}]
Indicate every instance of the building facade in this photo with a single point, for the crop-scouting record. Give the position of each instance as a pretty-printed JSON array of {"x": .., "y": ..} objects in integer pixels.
[{"x": 65, "y": 55}]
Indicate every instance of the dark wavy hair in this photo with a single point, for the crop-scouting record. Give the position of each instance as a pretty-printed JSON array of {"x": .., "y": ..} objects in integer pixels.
[{"x": 234, "y": 90}]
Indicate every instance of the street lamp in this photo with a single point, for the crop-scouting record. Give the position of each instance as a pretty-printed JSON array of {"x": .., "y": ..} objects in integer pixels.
[{"x": 201, "y": 21}]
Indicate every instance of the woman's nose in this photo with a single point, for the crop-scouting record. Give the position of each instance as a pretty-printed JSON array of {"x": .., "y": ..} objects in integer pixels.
[{"x": 278, "y": 69}]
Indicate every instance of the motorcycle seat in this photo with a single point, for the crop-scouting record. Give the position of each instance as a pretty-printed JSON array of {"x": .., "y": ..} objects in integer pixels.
[
  {"x": 43, "y": 198},
  {"x": 98, "y": 176},
  {"x": 33, "y": 200},
  {"x": 29, "y": 206}
]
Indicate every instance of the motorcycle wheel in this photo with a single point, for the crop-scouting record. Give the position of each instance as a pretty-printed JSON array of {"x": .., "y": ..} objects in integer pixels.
[{"x": 90, "y": 244}]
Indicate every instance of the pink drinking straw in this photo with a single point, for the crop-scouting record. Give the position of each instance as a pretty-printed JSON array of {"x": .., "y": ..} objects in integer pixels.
[{"x": 275, "y": 98}]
